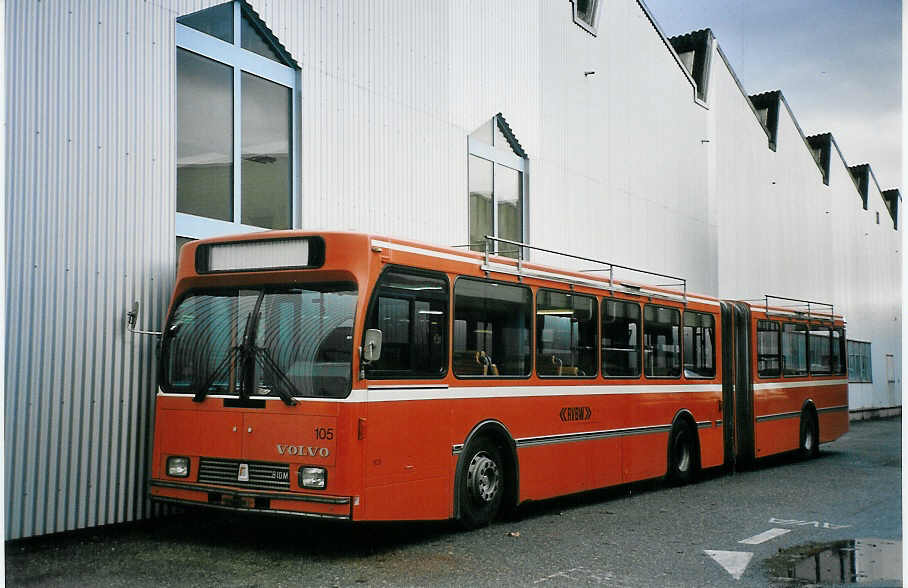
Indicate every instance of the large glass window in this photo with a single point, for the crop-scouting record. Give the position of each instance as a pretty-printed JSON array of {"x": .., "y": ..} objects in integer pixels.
[
  {"x": 411, "y": 310},
  {"x": 497, "y": 183},
  {"x": 794, "y": 349},
  {"x": 565, "y": 334},
  {"x": 620, "y": 339},
  {"x": 769, "y": 356},
  {"x": 699, "y": 345},
  {"x": 491, "y": 329},
  {"x": 860, "y": 369},
  {"x": 235, "y": 124},
  {"x": 292, "y": 342},
  {"x": 661, "y": 341}
]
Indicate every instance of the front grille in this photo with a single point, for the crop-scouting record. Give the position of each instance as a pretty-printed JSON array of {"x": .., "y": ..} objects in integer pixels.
[{"x": 262, "y": 476}]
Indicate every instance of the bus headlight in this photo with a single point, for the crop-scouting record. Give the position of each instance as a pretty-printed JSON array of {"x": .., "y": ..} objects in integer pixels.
[
  {"x": 314, "y": 478},
  {"x": 178, "y": 467}
]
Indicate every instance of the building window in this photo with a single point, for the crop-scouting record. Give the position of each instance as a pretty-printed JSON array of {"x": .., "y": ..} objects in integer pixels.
[
  {"x": 236, "y": 124},
  {"x": 497, "y": 184},
  {"x": 586, "y": 14},
  {"x": 860, "y": 369}
]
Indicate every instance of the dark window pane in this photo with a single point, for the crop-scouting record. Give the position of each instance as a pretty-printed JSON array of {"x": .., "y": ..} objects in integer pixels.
[
  {"x": 794, "y": 349},
  {"x": 820, "y": 351},
  {"x": 252, "y": 40},
  {"x": 509, "y": 200},
  {"x": 699, "y": 345},
  {"x": 480, "y": 201},
  {"x": 620, "y": 339},
  {"x": 586, "y": 10},
  {"x": 216, "y": 21},
  {"x": 491, "y": 329},
  {"x": 204, "y": 137},
  {"x": 565, "y": 334},
  {"x": 769, "y": 359},
  {"x": 661, "y": 341},
  {"x": 838, "y": 351},
  {"x": 412, "y": 313},
  {"x": 266, "y": 154}
]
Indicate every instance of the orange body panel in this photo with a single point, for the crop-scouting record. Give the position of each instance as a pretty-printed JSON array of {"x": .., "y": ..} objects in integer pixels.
[{"x": 395, "y": 445}]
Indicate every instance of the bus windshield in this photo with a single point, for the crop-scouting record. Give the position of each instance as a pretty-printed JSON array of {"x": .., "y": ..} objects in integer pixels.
[{"x": 269, "y": 341}]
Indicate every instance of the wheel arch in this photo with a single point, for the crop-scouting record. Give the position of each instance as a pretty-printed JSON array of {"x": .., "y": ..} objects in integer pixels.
[
  {"x": 499, "y": 433},
  {"x": 684, "y": 416}
]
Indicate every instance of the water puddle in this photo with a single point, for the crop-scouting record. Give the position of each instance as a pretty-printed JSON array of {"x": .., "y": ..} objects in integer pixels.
[{"x": 839, "y": 562}]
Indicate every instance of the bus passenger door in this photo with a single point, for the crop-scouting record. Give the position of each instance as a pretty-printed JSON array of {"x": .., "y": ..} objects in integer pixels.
[{"x": 728, "y": 381}]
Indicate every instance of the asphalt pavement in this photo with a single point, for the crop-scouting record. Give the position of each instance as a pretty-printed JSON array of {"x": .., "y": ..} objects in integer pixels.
[{"x": 743, "y": 529}]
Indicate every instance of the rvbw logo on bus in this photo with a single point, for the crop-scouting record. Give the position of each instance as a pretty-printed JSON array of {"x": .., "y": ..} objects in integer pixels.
[
  {"x": 303, "y": 450},
  {"x": 575, "y": 413}
]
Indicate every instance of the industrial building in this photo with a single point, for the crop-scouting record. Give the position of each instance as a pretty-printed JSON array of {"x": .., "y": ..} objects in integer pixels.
[{"x": 573, "y": 125}]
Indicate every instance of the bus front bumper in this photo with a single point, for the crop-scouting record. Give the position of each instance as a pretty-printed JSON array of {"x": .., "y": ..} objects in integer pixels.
[{"x": 283, "y": 503}]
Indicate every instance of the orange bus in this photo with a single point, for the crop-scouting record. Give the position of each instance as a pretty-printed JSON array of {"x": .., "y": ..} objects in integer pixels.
[{"x": 351, "y": 376}]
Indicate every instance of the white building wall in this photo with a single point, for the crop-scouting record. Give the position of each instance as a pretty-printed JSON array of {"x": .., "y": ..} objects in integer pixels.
[
  {"x": 782, "y": 231},
  {"x": 624, "y": 165}
]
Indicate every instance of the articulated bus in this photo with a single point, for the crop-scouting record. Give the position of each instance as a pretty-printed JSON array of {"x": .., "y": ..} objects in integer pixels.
[{"x": 351, "y": 376}]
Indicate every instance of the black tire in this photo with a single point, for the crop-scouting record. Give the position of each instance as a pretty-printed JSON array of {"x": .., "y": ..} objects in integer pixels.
[
  {"x": 482, "y": 483},
  {"x": 809, "y": 446},
  {"x": 682, "y": 454}
]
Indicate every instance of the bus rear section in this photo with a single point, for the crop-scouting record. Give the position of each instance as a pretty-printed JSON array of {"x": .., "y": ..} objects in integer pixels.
[
  {"x": 786, "y": 388},
  {"x": 253, "y": 367}
]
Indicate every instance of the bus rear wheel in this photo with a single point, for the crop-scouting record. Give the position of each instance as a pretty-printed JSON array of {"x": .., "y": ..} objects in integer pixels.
[
  {"x": 810, "y": 437},
  {"x": 482, "y": 484},
  {"x": 682, "y": 456}
]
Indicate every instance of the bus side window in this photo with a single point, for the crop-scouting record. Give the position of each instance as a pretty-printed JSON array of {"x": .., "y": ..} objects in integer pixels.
[
  {"x": 491, "y": 329},
  {"x": 661, "y": 341},
  {"x": 769, "y": 358},
  {"x": 794, "y": 349},
  {"x": 565, "y": 334},
  {"x": 620, "y": 339},
  {"x": 838, "y": 351},
  {"x": 411, "y": 310},
  {"x": 699, "y": 345},
  {"x": 819, "y": 351}
]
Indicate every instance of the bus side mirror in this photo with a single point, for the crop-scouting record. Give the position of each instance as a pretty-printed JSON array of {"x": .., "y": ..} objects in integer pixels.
[{"x": 372, "y": 345}]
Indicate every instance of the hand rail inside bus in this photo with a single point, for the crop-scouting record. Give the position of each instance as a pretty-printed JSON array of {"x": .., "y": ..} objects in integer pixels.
[{"x": 489, "y": 240}]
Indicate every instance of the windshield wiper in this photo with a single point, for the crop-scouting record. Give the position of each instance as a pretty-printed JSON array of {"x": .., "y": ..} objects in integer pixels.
[
  {"x": 236, "y": 351},
  {"x": 267, "y": 362}
]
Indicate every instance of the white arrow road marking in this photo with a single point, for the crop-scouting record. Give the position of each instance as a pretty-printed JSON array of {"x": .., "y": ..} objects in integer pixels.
[
  {"x": 765, "y": 536},
  {"x": 734, "y": 562}
]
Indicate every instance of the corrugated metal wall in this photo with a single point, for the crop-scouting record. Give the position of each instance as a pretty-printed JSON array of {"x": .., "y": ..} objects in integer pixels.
[
  {"x": 89, "y": 229},
  {"x": 389, "y": 92}
]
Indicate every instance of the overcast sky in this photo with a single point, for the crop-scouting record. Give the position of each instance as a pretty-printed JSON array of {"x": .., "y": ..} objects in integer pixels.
[{"x": 838, "y": 62}]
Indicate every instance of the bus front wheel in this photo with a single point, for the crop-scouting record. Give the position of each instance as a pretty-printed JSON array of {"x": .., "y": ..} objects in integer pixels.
[{"x": 482, "y": 484}]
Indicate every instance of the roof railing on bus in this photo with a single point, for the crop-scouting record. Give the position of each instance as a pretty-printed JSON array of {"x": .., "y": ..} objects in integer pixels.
[
  {"x": 610, "y": 267},
  {"x": 809, "y": 305}
]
